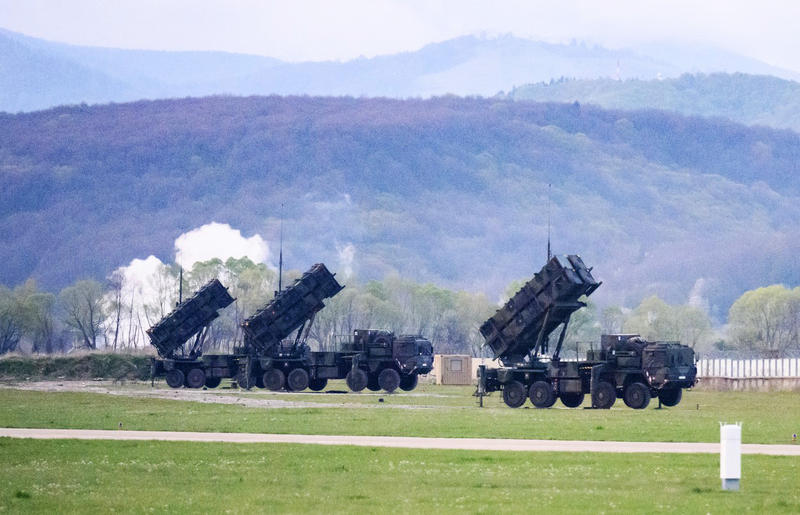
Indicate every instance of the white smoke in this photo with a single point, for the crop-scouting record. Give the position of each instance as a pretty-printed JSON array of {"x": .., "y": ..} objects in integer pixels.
[
  {"x": 221, "y": 241},
  {"x": 696, "y": 295},
  {"x": 144, "y": 277},
  {"x": 347, "y": 255},
  {"x": 141, "y": 293}
]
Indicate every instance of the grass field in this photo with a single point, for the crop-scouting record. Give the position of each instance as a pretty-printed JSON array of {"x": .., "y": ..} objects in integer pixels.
[
  {"x": 445, "y": 412},
  {"x": 46, "y": 476},
  {"x": 100, "y": 477}
]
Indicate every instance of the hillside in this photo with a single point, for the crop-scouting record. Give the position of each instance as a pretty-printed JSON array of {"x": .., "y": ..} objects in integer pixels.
[
  {"x": 749, "y": 99},
  {"x": 447, "y": 190},
  {"x": 43, "y": 74}
]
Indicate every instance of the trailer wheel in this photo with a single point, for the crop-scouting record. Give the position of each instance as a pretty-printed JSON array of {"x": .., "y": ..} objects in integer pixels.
[
  {"x": 273, "y": 379},
  {"x": 389, "y": 379},
  {"x": 356, "y": 380},
  {"x": 670, "y": 396},
  {"x": 297, "y": 380},
  {"x": 317, "y": 385},
  {"x": 541, "y": 394},
  {"x": 372, "y": 383},
  {"x": 196, "y": 378},
  {"x": 636, "y": 395},
  {"x": 514, "y": 394},
  {"x": 213, "y": 382},
  {"x": 409, "y": 382},
  {"x": 175, "y": 378},
  {"x": 245, "y": 381},
  {"x": 603, "y": 395},
  {"x": 572, "y": 400}
]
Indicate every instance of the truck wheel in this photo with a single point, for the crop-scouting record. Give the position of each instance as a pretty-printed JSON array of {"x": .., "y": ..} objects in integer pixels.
[
  {"x": 514, "y": 394},
  {"x": 603, "y": 395},
  {"x": 541, "y": 394},
  {"x": 389, "y": 379},
  {"x": 408, "y": 383},
  {"x": 175, "y": 378},
  {"x": 196, "y": 378},
  {"x": 317, "y": 385},
  {"x": 670, "y": 396},
  {"x": 372, "y": 383},
  {"x": 274, "y": 379},
  {"x": 297, "y": 380},
  {"x": 636, "y": 396},
  {"x": 572, "y": 400},
  {"x": 356, "y": 380},
  {"x": 245, "y": 381},
  {"x": 213, "y": 382}
]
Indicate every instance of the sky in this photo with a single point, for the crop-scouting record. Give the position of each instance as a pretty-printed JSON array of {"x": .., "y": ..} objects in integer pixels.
[{"x": 306, "y": 30}]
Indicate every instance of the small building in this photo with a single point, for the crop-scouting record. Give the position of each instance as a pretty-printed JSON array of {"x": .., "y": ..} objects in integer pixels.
[{"x": 452, "y": 368}]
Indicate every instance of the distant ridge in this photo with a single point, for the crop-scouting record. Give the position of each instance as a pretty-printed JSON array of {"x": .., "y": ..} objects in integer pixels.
[
  {"x": 39, "y": 74},
  {"x": 749, "y": 99}
]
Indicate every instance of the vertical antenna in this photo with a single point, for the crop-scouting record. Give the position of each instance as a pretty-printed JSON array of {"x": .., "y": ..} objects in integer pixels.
[
  {"x": 549, "y": 255},
  {"x": 180, "y": 286},
  {"x": 280, "y": 257}
]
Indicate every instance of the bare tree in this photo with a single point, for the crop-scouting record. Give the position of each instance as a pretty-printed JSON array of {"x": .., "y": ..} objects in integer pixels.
[{"x": 83, "y": 309}]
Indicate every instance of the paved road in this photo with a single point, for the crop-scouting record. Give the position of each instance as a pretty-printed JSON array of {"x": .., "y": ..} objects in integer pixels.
[{"x": 483, "y": 444}]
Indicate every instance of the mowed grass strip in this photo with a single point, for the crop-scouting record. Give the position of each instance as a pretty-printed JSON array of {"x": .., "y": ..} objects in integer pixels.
[
  {"x": 767, "y": 418},
  {"x": 100, "y": 477}
]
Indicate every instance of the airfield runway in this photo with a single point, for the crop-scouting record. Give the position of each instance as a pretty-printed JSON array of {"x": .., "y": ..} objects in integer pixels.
[{"x": 476, "y": 444}]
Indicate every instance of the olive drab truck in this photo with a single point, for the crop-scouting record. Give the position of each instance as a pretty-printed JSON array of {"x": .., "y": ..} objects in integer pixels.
[
  {"x": 179, "y": 338},
  {"x": 626, "y": 366},
  {"x": 270, "y": 360},
  {"x": 379, "y": 360},
  {"x": 372, "y": 359}
]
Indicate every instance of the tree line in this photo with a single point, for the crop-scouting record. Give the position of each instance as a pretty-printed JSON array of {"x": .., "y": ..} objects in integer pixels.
[{"x": 116, "y": 314}]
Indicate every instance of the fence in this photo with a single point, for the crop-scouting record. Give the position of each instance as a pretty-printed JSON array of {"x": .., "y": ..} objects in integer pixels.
[{"x": 748, "y": 368}]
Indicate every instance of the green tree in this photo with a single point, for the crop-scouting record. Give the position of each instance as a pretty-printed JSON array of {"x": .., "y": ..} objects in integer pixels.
[
  {"x": 11, "y": 326},
  {"x": 36, "y": 310},
  {"x": 654, "y": 319},
  {"x": 766, "y": 319},
  {"x": 83, "y": 307},
  {"x": 612, "y": 320},
  {"x": 26, "y": 314}
]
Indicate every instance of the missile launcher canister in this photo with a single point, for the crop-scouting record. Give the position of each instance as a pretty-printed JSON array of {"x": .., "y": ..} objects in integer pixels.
[
  {"x": 290, "y": 309},
  {"x": 522, "y": 325},
  {"x": 189, "y": 318}
]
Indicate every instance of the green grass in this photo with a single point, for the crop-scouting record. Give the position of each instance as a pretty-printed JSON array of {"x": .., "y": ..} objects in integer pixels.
[
  {"x": 57, "y": 476},
  {"x": 766, "y": 417}
]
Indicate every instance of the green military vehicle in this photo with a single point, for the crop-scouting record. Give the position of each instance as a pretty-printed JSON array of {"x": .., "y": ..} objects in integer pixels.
[
  {"x": 379, "y": 360},
  {"x": 179, "y": 338},
  {"x": 372, "y": 359},
  {"x": 624, "y": 367}
]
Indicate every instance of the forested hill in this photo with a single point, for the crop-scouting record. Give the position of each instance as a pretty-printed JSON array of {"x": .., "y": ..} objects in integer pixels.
[
  {"x": 749, "y": 99},
  {"x": 448, "y": 190}
]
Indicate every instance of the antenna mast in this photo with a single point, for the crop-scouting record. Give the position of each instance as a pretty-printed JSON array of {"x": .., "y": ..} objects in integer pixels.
[
  {"x": 280, "y": 257},
  {"x": 180, "y": 286},
  {"x": 549, "y": 255}
]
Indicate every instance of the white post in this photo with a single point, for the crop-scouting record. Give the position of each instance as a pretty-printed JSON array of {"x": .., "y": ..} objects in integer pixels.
[{"x": 730, "y": 455}]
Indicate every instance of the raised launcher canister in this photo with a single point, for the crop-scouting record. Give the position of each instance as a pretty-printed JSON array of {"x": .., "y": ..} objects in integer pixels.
[
  {"x": 290, "y": 309},
  {"x": 189, "y": 319},
  {"x": 521, "y": 327}
]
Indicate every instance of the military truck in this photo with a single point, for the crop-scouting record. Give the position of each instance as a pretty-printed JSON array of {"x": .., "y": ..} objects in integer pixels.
[
  {"x": 272, "y": 362},
  {"x": 625, "y": 366},
  {"x": 379, "y": 360},
  {"x": 179, "y": 337},
  {"x": 629, "y": 367},
  {"x": 372, "y": 359}
]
